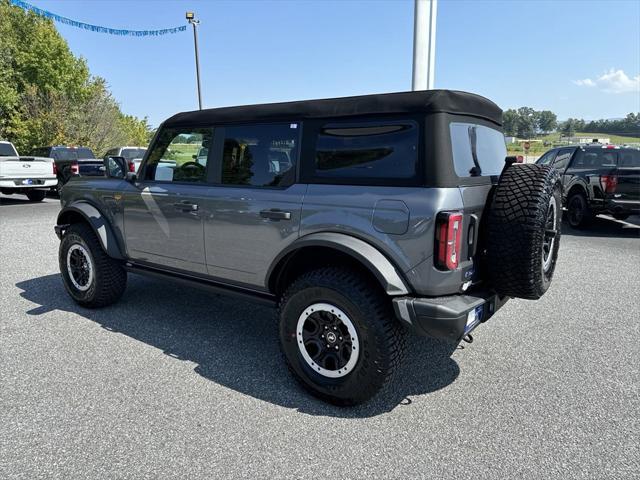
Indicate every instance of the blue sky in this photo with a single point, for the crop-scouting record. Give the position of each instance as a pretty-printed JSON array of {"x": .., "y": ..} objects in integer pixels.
[{"x": 576, "y": 58}]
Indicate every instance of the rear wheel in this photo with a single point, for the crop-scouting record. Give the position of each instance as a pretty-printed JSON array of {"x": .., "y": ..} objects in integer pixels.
[
  {"x": 578, "y": 213},
  {"x": 92, "y": 278},
  {"x": 36, "y": 195},
  {"x": 524, "y": 231},
  {"x": 339, "y": 335}
]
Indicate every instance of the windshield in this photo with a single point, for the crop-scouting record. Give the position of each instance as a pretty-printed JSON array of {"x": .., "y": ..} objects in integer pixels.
[
  {"x": 132, "y": 153},
  {"x": 7, "y": 150}
]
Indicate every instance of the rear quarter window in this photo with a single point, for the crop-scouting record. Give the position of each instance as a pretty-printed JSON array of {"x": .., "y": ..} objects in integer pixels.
[
  {"x": 477, "y": 150},
  {"x": 370, "y": 151}
]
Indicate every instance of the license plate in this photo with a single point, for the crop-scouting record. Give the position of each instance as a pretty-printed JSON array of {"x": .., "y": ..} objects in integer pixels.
[
  {"x": 27, "y": 181},
  {"x": 474, "y": 317}
]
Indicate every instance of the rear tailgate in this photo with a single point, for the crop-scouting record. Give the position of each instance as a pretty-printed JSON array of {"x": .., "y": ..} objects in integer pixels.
[
  {"x": 26, "y": 167},
  {"x": 91, "y": 167},
  {"x": 628, "y": 173}
]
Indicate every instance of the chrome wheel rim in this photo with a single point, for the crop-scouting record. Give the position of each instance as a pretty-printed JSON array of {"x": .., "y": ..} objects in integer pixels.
[
  {"x": 327, "y": 340},
  {"x": 550, "y": 233},
  {"x": 79, "y": 267}
]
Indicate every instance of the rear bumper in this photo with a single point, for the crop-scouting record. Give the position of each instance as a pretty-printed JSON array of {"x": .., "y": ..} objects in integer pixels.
[
  {"x": 17, "y": 183},
  {"x": 451, "y": 317}
]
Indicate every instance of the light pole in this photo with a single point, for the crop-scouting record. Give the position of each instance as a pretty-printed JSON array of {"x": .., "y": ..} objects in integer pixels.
[
  {"x": 191, "y": 18},
  {"x": 424, "y": 44}
]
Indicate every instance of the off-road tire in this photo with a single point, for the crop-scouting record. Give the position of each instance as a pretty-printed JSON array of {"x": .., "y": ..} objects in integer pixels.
[
  {"x": 381, "y": 337},
  {"x": 579, "y": 215},
  {"x": 109, "y": 278},
  {"x": 36, "y": 195},
  {"x": 517, "y": 228}
]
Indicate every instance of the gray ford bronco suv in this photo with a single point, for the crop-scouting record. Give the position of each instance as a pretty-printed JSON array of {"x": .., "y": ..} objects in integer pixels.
[{"x": 360, "y": 218}]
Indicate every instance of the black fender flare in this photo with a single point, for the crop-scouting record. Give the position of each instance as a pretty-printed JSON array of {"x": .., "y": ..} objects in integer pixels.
[
  {"x": 368, "y": 255},
  {"x": 98, "y": 222}
]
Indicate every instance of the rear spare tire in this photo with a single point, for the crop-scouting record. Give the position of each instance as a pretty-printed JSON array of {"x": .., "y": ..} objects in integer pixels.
[{"x": 524, "y": 231}]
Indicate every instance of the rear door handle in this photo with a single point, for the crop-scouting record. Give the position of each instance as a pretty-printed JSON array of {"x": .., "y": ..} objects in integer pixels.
[
  {"x": 186, "y": 206},
  {"x": 275, "y": 214}
]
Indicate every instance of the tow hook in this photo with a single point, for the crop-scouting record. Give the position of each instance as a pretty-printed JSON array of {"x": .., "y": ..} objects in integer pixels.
[{"x": 468, "y": 338}]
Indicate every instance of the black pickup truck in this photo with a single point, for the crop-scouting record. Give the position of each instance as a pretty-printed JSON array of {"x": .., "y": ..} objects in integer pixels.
[
  {"x": 71, "y": 161},
  {"x": 597, "y": 179}
]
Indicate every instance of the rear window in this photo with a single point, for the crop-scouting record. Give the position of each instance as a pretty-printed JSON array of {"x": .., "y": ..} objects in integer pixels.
[
  {"x": 382, "y": 149},
  {"x": 85, "y": 153},
  {"x": 69, "y": 153},
  {"x": 477, "y": 150},
  {"x": 7, "y": 150},
  {"x": 133, "y": 153},
  {"x": 629, "y": 159},
  {"x": 595, "y": 158}
]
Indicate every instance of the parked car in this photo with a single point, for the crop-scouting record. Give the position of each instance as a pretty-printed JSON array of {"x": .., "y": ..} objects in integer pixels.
[
  {"x": 359, "y": 217},
  {"x": 30, "y": 176},
  {"x": 597, "y": 179},
  {"x": 71, "y": 161},
  {"x": 133, "y": 156}
]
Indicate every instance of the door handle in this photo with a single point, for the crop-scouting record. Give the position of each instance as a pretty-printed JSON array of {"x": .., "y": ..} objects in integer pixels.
[
  {"x": 275, "y": 214},
  {"x": 186, "y": 206}
]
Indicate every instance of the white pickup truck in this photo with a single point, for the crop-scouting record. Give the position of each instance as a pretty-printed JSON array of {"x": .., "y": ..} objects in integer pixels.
[{"x": 31, "y": 176}]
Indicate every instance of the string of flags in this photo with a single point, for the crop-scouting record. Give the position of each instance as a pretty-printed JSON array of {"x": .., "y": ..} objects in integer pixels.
[{"x": 96, "y": 28}]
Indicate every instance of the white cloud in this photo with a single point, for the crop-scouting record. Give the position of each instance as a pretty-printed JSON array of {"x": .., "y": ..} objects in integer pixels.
[{"x": 613, "y": 81}]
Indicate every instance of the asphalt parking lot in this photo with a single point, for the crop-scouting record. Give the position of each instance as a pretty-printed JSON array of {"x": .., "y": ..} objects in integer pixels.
[{"x": 180, "y": 384}]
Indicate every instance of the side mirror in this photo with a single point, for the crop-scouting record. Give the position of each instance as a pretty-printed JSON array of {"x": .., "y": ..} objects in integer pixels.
[{"x": 115, "y": 167}]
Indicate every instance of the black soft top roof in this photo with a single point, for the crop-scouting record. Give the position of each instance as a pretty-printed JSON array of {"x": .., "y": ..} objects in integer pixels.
[{"x": 429, "y": 101}]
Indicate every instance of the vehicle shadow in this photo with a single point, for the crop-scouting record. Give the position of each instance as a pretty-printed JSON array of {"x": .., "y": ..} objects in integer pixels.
[
  {"x": 605, "y": 226},
  {"x": 18, "y": 199},
  {"x": 235, "y": 344}
]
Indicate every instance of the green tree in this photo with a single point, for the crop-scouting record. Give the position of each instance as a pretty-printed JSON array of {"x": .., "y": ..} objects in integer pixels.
[
  {"x": 47, "y": 95},
  {"x": 526, "y": 122},
  {"x": 568, "y": 127},
  {"x": 510, "y": 122},
  {"x": 547, "y": 121}
]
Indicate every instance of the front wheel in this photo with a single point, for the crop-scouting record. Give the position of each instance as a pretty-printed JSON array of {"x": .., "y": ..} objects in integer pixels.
[
  {"x": 92, "y": 278},
  {"x": 339, "y": 335}
]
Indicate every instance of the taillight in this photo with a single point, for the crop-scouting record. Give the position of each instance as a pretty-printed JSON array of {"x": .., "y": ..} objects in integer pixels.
[
  {"x": 448, "y": 240},
  {"x": 75, "y": 168},
  {"x": 55, "y": 168},
  {"x": 609, "y": 183},
  {"x": 132, "y": 167}
]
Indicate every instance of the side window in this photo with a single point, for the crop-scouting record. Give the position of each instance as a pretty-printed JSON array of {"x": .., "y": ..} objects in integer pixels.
[
  {"x": 547, "y": 158},
  {"x": 174, "y": 155},
  {"x": 260, "y": 155},
  {"x": 562, "y": 160},
  {"x": 367, "y": 150}
]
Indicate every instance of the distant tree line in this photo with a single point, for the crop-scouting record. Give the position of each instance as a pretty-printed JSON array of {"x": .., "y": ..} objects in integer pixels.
[
  {"x": 49, "y": 97},
  {"x": 525, "y": 122}
]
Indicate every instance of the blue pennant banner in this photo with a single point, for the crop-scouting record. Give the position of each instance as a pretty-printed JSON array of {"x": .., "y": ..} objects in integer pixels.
[{"x": 96, "y": 28}]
